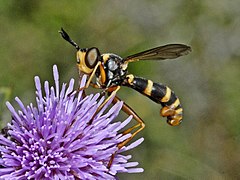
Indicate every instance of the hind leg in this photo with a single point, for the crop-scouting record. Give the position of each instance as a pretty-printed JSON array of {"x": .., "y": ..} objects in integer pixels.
[{"x": 138, "y": 127}]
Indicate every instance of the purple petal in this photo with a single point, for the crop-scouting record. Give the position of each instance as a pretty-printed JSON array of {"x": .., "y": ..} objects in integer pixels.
[{"x": 55, "y": 140}]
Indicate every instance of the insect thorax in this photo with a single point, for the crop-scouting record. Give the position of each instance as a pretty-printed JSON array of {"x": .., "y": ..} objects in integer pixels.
[{"x": 115, "y": 70}]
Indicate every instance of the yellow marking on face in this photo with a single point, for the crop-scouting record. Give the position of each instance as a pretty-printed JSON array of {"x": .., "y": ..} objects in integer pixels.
[
  {"x": 130, "y": 78},
  {"x": 80, "y": 56},
  {"x": 81, "y": 63},
  {"x": 167, "y": 95},
  {"x": 148, "y": 89}
]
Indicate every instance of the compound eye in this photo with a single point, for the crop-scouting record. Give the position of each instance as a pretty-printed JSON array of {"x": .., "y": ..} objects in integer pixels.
[{"x": 92, "y": 57}]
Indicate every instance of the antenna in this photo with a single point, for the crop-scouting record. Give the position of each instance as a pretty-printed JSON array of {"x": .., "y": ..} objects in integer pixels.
[{"x": 67, "y": 38}]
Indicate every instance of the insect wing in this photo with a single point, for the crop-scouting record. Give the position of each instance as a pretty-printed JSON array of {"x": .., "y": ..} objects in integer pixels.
[{"x": 170, "y": 51}]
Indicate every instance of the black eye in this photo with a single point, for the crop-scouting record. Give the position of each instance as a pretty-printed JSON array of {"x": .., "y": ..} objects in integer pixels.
[{"x": 92, "y": 57}]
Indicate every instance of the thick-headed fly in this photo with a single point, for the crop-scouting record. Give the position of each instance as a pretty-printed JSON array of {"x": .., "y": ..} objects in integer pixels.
[{"x": 110, "y": 72}]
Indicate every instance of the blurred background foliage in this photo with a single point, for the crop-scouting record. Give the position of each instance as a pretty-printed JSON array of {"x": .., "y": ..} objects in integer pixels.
[{"x": 207, "y": 144}]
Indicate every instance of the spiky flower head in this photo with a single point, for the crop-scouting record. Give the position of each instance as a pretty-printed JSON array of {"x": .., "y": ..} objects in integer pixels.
[{"x": 53, "y": 140}]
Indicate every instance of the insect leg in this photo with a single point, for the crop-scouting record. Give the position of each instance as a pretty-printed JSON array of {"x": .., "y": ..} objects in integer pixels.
[
  {"x": 129, "y": 111},
  {"x": 140, "y": 124},
  {"x": 90, "y": 77},
  {"x": 82, "y": 89},
  {"x": 105, "y": 101},
  {"x": 89, "y": 81}
]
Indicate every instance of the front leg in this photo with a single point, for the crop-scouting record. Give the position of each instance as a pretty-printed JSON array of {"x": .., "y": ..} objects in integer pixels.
[
  {"x": 113, "y": 93},
  {"x": 83, "y": 89}
]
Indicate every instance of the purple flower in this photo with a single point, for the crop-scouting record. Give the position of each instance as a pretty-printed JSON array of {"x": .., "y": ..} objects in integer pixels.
[{"x": 54, "y": 140}]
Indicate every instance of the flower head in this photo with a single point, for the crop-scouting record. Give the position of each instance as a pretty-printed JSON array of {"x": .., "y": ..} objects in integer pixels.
[{"x": 54, "y": 140}]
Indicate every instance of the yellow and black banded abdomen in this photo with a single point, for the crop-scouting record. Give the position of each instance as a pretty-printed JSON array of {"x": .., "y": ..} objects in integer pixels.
[{"x": 161, "y": 94}]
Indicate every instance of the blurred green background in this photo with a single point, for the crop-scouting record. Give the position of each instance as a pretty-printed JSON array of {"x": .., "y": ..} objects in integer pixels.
[{"x": 207, "y": 144}]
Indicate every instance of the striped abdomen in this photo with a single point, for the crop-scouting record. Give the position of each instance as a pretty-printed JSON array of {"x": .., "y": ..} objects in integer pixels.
[{"x": 160, "y": 94}]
